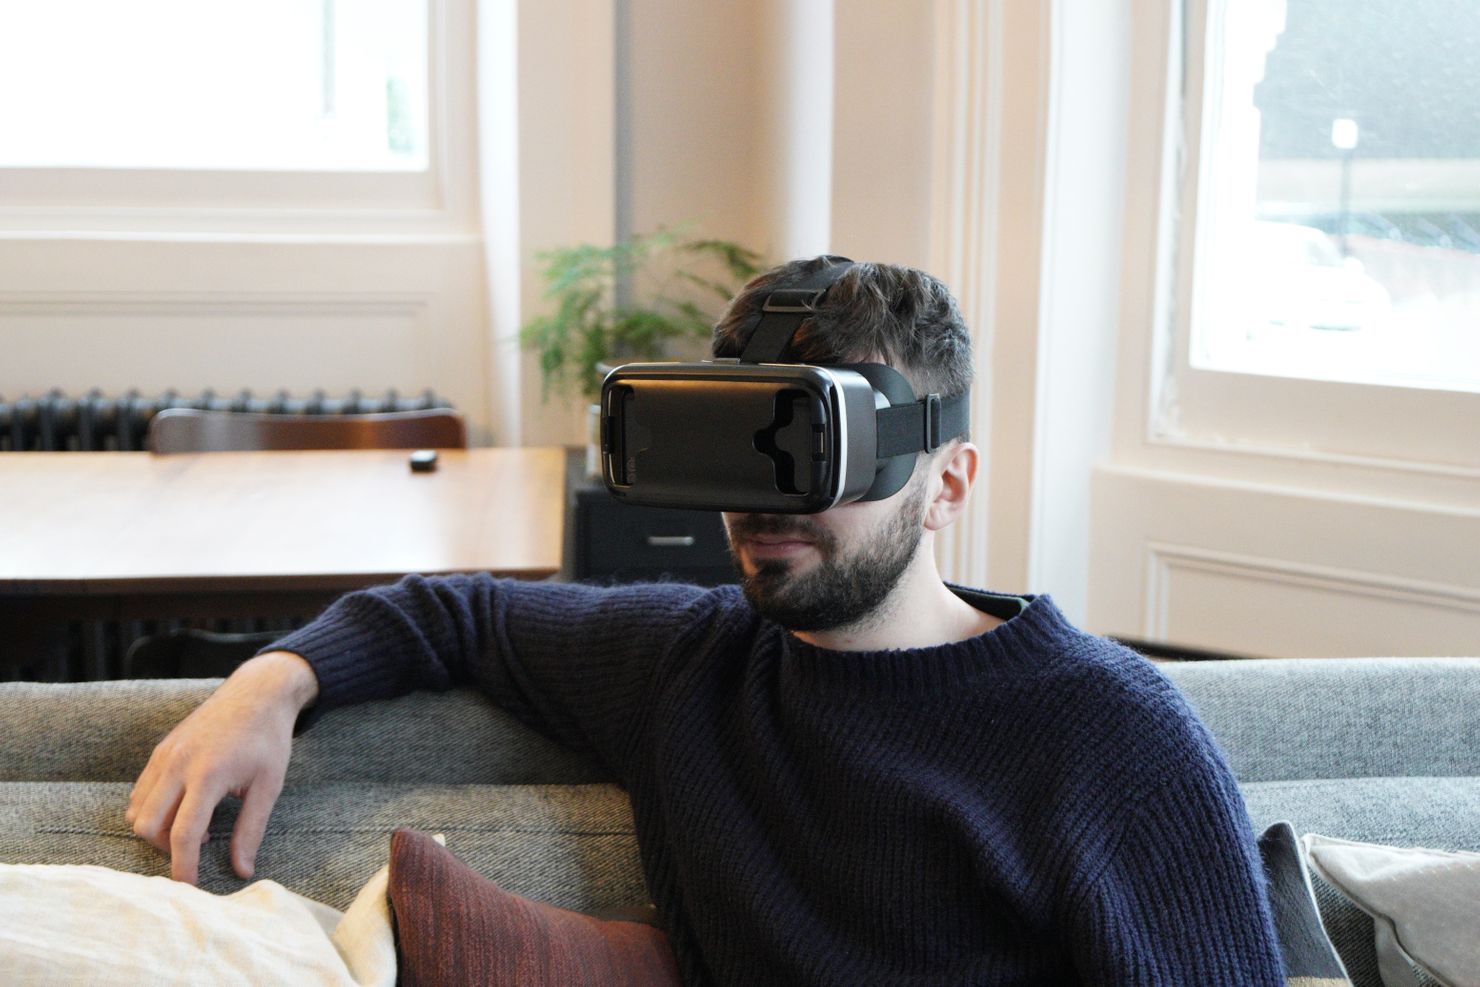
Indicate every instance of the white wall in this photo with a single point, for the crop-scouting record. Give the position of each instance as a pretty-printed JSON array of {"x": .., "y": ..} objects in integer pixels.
[
  {"x": 566, "y": 133},
  {"x": 1084, "y": 178},
  {"x": 268, "y": 313},
  {"x": 883, "y": 116},
  {"x": 694, "y": 105}
]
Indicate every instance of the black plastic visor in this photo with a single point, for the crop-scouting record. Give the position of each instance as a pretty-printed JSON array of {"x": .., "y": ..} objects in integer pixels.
[{"x": 769, "y": 438}]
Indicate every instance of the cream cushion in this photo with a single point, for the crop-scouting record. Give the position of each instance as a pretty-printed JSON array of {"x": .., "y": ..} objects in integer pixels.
[{"x": 80, "y": 924}]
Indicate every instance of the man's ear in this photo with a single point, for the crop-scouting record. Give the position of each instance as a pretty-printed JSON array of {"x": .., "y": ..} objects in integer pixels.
[{"x": 953, "y": 473}]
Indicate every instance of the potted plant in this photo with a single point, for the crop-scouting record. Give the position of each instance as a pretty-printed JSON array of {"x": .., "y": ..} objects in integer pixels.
[{"x": 653, "y": 296}]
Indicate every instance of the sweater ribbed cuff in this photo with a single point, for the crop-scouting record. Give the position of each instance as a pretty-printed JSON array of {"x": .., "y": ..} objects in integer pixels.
[{"x": 337, "y": 645}]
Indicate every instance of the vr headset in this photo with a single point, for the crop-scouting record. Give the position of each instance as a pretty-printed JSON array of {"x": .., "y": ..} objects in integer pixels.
[{"x": 758, "y": 434}]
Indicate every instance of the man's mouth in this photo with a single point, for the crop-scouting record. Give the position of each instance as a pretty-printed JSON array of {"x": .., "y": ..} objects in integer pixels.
[{"x": 774, "y": 546}]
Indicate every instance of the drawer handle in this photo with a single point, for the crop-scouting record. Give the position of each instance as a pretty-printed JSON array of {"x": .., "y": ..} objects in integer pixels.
[{"x": 671, "y": 541}]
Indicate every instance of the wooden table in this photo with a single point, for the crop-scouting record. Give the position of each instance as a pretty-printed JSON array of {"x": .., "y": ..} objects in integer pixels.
[{"x": 116, "y": 535}]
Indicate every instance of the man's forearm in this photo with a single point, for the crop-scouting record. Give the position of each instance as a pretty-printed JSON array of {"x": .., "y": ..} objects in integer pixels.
[
  {"x": 515, "y": 641},
  {"x": 385, "y": 641}
]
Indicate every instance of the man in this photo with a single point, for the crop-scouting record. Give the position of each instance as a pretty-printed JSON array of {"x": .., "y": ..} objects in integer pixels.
[{"x": 848, "y": 771}]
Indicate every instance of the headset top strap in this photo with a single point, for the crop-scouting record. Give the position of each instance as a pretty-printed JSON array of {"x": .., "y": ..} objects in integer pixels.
[{"x": 785, "y": 309}]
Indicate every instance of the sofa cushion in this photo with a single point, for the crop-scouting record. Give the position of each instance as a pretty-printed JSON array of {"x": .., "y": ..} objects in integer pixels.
[
  {"x": 570, "y": 845},
  {"x": 1424, "y": 903},
  {"x": 454, "y": 926},
  {"x": 1434, "y": 812}
]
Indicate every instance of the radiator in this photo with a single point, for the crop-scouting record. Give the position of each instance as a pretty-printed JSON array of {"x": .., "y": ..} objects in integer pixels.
[
  {"x": 87, "y": 650},
  {"x": 95, "y": 423},
  {"x": 94, "y": 650}
]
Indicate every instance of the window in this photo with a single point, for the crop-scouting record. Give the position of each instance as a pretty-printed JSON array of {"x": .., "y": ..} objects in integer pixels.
[
  {"x": 1338, "y": 214},
  {"x": 271, "y": 85},
  {"x": 1282, "y": 324}
]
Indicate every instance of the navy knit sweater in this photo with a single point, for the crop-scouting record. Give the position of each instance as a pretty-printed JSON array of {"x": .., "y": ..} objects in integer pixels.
[{"x": 1033, "y": 806}]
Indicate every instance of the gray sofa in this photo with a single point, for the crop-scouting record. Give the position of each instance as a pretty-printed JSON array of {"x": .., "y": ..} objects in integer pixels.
[{"x": 1380, "y": 750}]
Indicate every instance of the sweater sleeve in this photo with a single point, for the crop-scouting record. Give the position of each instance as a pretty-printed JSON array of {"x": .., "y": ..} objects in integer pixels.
[
  {"x": 1181, "y": 897},
  {"x": 570, "y": 660}
]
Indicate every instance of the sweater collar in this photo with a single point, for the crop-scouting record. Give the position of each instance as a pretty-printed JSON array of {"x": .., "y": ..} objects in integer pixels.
[{"x": 1035, "y": 634}]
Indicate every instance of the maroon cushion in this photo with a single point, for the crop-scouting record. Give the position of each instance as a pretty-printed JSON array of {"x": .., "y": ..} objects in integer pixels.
[{"x": 455, "y": 926}]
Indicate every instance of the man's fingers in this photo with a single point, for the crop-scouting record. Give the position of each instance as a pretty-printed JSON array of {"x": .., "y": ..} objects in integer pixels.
[
  {"x": 251, "y": 823},
  {"x": 154, "y": 815},
  {"x": 191, "y": 823},
  {"x": 139, "y": 794}
]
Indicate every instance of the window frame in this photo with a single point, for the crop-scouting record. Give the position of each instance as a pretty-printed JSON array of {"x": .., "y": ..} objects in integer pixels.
[
  {"x": 1391, "y": 427},
  {"x": 148, "y": 200}
]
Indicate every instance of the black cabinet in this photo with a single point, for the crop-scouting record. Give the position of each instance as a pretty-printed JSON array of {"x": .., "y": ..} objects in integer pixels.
[{"x": 618, "y": 542}]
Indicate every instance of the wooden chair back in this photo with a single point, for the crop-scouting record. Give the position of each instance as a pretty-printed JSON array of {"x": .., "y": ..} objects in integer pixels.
[{"x": 190, "y": 430}]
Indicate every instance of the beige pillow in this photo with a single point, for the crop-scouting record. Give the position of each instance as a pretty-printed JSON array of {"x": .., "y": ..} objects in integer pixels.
[
  {"x": 72, "y": 924},
  {"x": 1425, "y": 905}
]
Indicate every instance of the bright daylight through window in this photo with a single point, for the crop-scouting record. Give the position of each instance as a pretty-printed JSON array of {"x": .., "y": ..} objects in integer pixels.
[
  {"x": 1338, "y": 227},
  {"x": 293, "y": 85}
]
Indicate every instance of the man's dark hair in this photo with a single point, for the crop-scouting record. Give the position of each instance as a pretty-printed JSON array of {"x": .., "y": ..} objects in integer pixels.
[{"x": 899, "y": 315}]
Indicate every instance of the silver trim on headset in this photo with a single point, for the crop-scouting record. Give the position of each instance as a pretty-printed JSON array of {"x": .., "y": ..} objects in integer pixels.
[{"x": 841, "y": 407}]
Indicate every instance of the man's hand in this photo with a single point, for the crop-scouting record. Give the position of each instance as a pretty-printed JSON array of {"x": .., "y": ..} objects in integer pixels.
[{"x": 237, "y": 742}]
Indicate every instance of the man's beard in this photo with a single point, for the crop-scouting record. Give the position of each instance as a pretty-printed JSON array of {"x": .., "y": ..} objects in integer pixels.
[{"x": 838, "y": 592}]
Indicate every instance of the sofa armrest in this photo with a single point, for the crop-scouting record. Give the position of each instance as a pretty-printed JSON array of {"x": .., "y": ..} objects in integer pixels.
[{"x": 105, "y": 731}]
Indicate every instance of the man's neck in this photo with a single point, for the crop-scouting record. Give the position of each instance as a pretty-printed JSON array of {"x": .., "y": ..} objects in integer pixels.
[{"x": 922, "y": 612}]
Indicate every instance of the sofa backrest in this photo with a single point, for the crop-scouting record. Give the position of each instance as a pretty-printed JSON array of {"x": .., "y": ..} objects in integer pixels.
[
  {"x": 1288, "y": 718},
  {"x": 1276, "y": 719},
  {"x": 105, "y": 731}
]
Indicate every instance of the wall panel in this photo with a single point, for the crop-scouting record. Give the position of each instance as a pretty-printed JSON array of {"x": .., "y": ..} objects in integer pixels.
[{"x": 1281, "y": 572}]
